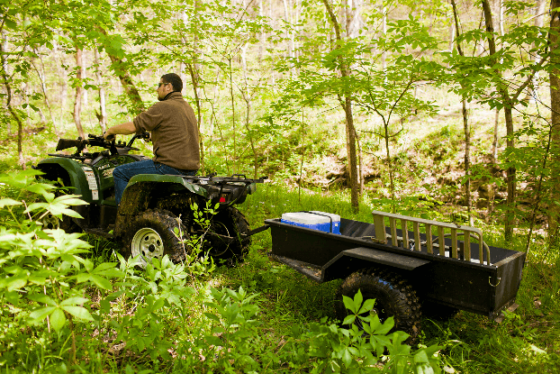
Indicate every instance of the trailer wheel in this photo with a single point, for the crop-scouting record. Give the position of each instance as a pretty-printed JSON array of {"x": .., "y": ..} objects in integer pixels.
[
  {"x": 229, "y": 222},
  {"x": 393, "y": 294},
  {"x": 152, "y": 235}
]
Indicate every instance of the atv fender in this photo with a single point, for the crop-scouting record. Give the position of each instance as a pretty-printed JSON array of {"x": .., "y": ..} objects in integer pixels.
[
  {"x": 72, "y": 174},
  {"x": 142, "y": 192}
]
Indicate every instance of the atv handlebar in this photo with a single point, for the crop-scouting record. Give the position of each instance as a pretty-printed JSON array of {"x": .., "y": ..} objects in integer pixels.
[{"x": 97, "y": 141}]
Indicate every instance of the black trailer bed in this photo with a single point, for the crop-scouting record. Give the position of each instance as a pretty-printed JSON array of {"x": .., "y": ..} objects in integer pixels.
[{"x": 468, "y": 285}]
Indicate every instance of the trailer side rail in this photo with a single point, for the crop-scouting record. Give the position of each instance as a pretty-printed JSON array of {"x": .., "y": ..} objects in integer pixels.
[{"x": 458, "y": 250}]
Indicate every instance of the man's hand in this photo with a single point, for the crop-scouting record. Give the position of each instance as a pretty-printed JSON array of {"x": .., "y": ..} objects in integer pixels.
[
  {"x": 122, "y": 129},
  {"x": 108, "y": 136}
]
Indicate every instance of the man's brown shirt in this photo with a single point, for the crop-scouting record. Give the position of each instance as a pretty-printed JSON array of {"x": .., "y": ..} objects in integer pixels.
[{"x": 174, "y": 132}]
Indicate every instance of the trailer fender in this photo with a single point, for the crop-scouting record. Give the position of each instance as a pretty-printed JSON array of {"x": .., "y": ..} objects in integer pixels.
[{"x": 345, "y": 262}]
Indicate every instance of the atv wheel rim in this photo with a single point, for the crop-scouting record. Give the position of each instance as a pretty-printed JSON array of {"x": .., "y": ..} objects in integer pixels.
[{"x": 148, "y": 244}]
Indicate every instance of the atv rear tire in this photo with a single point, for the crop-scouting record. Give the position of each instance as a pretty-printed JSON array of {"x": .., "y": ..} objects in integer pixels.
[
  {"x": 393, "y": 297},
  {"x": 230, "y": 222},
  {"x": 152, "y": 235}
]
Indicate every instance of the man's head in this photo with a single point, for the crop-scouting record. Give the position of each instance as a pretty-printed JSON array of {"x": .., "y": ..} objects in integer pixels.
[{"x": 169, "y": 83}]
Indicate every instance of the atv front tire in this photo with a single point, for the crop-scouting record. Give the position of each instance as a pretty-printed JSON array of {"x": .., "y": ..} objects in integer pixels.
[
  {"x": 393, "y": 297},
  {"x": 153, "y": 234}
]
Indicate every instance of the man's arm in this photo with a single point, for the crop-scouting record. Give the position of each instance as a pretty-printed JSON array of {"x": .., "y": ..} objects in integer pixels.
[{"x": 122, "y": 129}]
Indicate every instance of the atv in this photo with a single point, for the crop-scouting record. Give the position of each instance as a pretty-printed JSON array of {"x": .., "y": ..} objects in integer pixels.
[{"x": 158, "y": 213}]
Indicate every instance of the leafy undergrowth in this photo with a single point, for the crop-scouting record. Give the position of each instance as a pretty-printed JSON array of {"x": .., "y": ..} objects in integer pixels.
[{"x": 70, "y": 306}]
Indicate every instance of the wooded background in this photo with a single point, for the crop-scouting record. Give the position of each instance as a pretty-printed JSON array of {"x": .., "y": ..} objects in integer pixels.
[{"x": 378, "y": 97}]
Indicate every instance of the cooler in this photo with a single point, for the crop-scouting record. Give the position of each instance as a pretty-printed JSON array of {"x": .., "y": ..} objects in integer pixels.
[{"x": 325, "y": 222}]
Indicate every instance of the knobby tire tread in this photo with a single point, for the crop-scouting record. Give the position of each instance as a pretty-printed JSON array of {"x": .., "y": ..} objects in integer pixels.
[
  {"x": 164, "y": 222},
  {"x": 391, "y": 292}
]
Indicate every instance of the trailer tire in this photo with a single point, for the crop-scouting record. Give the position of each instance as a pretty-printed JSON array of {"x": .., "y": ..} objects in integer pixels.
[
  {"x": 152, "y": 234},
  {"x": 394, "y": 297}
]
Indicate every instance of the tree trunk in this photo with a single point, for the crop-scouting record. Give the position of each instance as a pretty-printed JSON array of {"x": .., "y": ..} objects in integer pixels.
[
  {"x": 78, "y": 97},
  {"x": 42, "y": 78},
  {"x": 5, "y": 70},
  {"x": 262, "y": 35},
  {"x": 233, "y": 116},
  {"x": 389, "y": 164},
  {"x": 347, "y": 105},
  {"x": 538, "y": 22},
  {"x": 27, "y": 107},
  {"x": 248, "y": 98},
  {"x": 84, "y": 77},
  {"x": 119, "y": 67},
  {"x": 194, "y": 70},
  {"x": 554, "y": 209},
  {"x": 508, "y": 107},
  {"x": 101, "y": 90},
  {"x": 465, "y": 124},
  {"x": 13, "y": 112}
]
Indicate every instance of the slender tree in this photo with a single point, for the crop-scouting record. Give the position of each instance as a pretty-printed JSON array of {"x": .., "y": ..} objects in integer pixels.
[
  {"x": 346, "y": 103},
  {"x": 554, "y": 38},
  {"x": 102, "y": 115},
  {"x": 466, "y": 128},
  {"x": 78, "y": 96}
]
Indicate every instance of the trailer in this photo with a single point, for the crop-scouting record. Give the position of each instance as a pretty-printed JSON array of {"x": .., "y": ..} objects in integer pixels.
[{"x": 423, "y": 266}]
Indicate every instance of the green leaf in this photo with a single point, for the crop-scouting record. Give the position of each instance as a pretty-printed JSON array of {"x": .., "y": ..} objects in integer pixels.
[
  {"x": 212, "y": 317},
  {"x": 347, "y": 357},
  {"x": 58, "y": 319},
  {"x": 421, "y": 357},
  {"x": 368, "y": 305},
  {"x": 101, "y": 282},
  {"x": 75, "y": 301},
  {"x": 8, "y": 202},
  {"x": 349, "y": 304},
  {"x": 41, "y": 314},
  {"x": 349, "y": 319},
  {"x": 158, "y": 304},
  {"x": 17, "y": 282},
  {"x": 358, "y": 299},
  {"x": 78, "y": 312},
  {"x": 43, "y": 299},
  {"x": 11, "y": 24},
  {"x": 386, "y": 327}
]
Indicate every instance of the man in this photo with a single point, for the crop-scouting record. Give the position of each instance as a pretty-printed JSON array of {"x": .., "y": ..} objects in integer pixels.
[{"x": 172, "y": 123}]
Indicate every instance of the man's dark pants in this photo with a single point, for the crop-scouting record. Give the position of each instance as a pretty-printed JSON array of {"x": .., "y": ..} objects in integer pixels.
[{"x": 123, "y": 173}]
